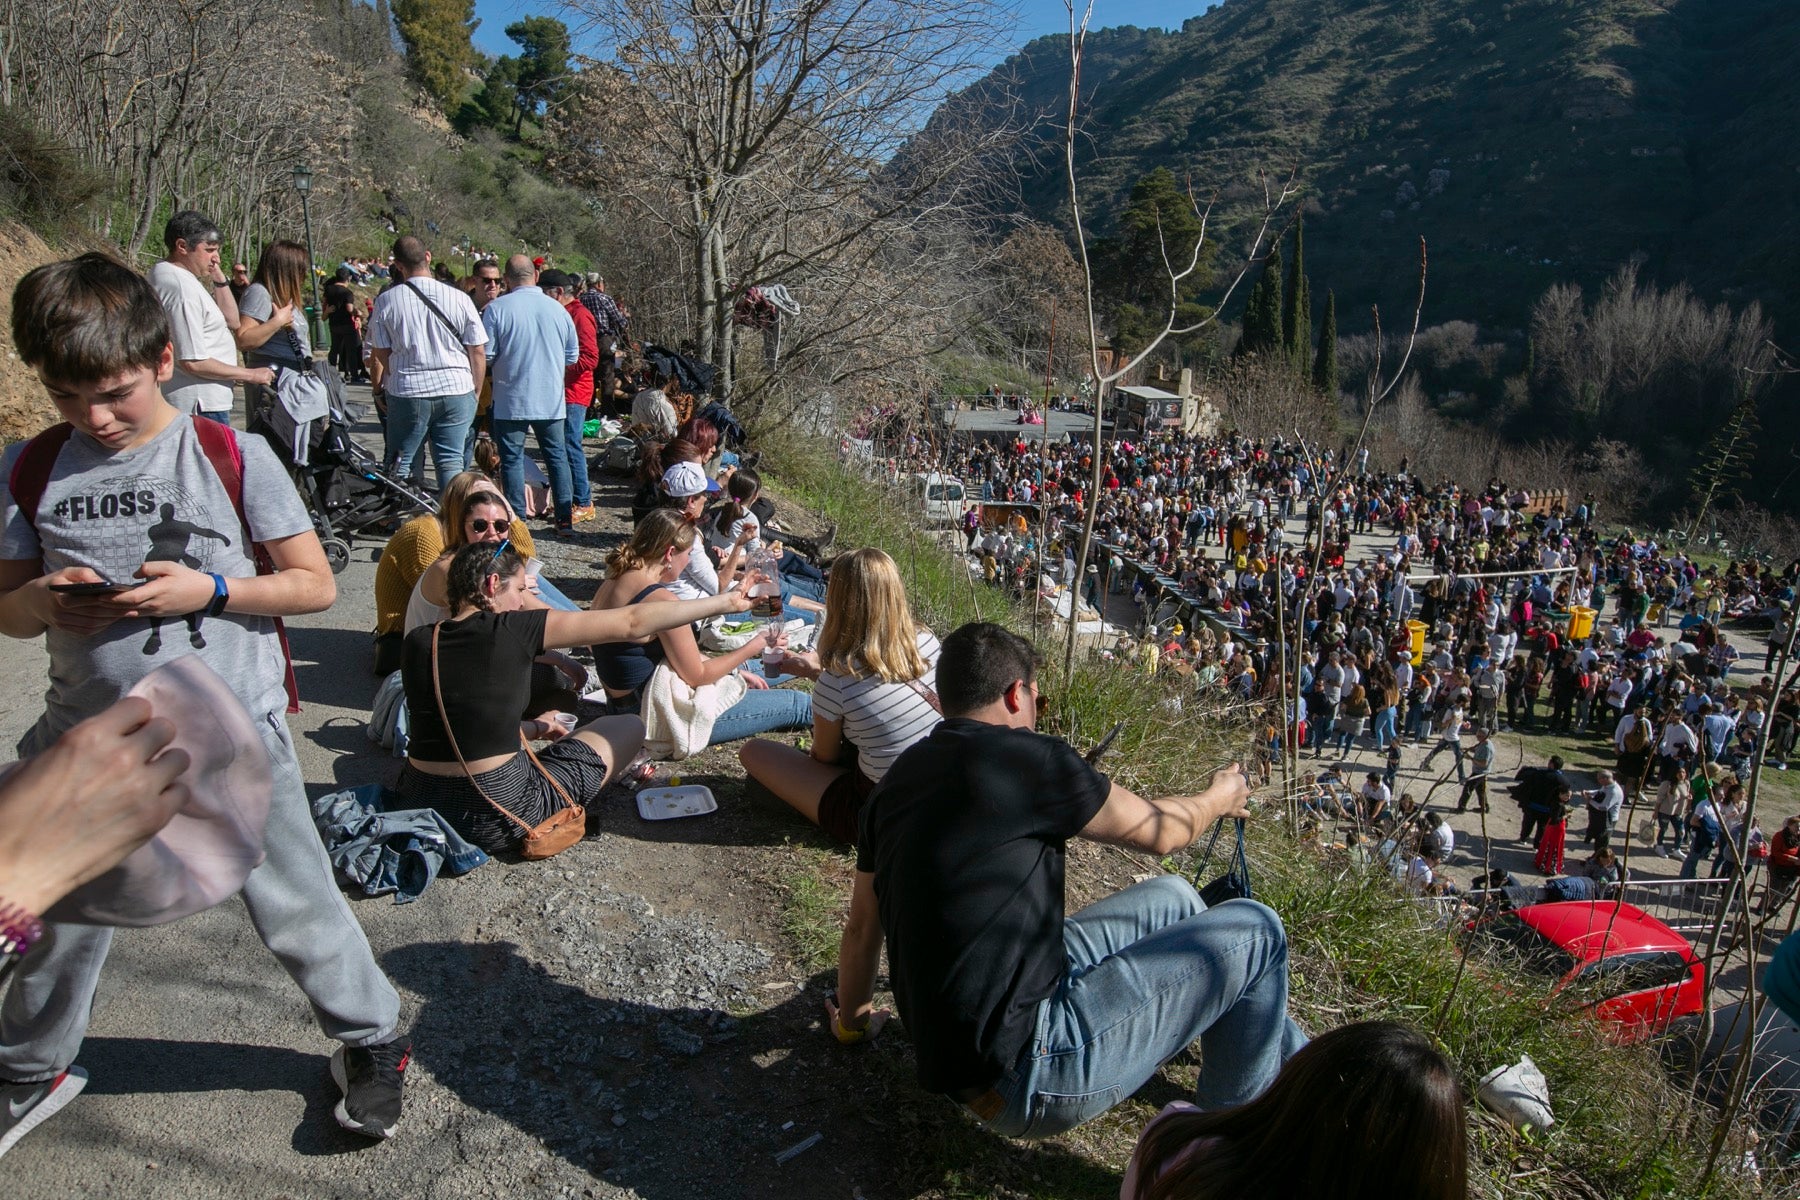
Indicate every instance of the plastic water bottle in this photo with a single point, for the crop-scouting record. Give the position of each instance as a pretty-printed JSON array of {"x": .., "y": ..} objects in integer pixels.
[{"x": 765, "y": 596}]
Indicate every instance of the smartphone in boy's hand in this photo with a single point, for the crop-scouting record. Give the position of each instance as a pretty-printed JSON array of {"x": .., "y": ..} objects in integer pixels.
[{"x": 96, "y": 587}]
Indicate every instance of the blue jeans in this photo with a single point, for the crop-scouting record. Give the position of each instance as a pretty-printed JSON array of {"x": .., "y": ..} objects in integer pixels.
[
  {"x": 552, "y": 595},
  {"x": 763, "y": 712},
  {"x": 509, "y": 439},
  {"x": 223, "y": 416},
  {"x": 1150, "y": 969},
  {"x": 444, "y": 421},
  {"x": 1703, "y": 843},
  {"x": 1384, "y": 728},
  {"x": 578, "y": 468}
]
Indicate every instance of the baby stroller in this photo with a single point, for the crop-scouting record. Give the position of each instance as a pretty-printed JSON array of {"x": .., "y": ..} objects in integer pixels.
[{"x": 306, "y": 419}]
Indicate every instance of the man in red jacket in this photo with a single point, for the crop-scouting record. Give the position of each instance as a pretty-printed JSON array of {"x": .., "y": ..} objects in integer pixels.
[
  {"x": 1784, "y": 866},
  {"x": 578, "y": 386}
]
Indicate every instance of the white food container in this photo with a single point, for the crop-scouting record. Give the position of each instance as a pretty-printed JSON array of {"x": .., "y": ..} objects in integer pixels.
[{"x": 665, "y": 803}]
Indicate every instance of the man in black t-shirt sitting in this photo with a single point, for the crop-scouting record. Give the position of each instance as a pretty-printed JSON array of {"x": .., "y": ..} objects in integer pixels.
[{"x": 1034, "y": 1022}]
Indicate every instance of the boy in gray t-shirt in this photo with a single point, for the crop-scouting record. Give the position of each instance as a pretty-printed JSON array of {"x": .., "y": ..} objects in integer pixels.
[{"x": 127, "y": 493}]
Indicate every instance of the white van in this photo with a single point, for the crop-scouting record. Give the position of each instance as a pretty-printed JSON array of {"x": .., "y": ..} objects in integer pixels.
[{"x": 938, "y": 498}]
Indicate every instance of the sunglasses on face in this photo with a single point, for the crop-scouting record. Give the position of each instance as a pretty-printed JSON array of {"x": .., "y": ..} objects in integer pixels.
[{"x": 482, "y": 524}]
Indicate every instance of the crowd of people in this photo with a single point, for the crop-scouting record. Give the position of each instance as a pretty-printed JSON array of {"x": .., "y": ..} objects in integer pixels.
[
  {"x": 1457, "y": 612},
  {"x": 922, "y": 746}
]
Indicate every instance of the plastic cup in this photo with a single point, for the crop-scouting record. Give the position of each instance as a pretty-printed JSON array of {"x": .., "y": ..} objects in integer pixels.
[{"x": 566, "y": 720}]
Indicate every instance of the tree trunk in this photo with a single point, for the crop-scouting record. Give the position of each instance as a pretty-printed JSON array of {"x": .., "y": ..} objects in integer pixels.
[
  {"x": 723, "y": 343},
  {"x": 705, "y": 297}
]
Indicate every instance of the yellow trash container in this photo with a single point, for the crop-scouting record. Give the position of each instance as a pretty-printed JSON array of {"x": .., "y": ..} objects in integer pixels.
[
  {"x": 1581, "y": 622},
  {"x": 1415, "y": 630}
]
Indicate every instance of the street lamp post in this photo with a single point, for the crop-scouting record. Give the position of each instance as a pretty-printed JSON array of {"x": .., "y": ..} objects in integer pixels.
[{"x": 303, "y": 177}]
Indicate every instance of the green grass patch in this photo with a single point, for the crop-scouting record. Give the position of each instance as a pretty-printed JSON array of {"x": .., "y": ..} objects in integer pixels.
[{"x": 813, "y": 909}]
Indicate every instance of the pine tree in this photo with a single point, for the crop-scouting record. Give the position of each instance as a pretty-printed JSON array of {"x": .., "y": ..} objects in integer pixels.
[
  {"x": 1296, "y": 309},
  {"x": 438, "y": 50},
  {"x": 1324, "y": 365},
  {"x": 1262, "y": 310}
]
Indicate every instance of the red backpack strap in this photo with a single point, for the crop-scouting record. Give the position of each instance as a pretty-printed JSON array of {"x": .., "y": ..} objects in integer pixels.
[
  {"x": 220, "y": 445},
  {"x": 31, "y": 470}
]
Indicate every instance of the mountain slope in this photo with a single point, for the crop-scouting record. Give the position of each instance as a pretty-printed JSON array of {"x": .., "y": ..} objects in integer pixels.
[{"x": 1529, "y": 141}]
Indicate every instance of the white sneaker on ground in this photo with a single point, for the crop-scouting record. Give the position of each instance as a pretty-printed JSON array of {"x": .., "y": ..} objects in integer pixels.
[{"x": 25, "y": 1106}]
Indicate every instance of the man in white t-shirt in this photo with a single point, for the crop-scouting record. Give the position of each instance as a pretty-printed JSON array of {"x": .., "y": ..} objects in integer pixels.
[
  {"x": 428, "y": 354},
  {"x": 202, "y": 315}
]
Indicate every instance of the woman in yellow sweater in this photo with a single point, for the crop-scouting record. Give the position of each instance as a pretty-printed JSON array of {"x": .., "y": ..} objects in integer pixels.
[{"x": 411, "y": 551}]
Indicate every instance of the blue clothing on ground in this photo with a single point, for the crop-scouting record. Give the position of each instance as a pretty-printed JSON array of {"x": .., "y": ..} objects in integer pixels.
[{"x": 399, "y": 852}]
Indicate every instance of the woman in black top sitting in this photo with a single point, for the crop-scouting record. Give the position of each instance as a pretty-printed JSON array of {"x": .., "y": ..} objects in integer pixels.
[{"x": 480, "y": 656}]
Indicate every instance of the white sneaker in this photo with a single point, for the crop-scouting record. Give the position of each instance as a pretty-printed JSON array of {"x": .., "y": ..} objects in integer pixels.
[{"x": 25, "y": 1106}]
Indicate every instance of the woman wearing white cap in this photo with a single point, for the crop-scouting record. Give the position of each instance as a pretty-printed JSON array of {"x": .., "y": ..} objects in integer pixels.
[{"x": 687, "y": 488}]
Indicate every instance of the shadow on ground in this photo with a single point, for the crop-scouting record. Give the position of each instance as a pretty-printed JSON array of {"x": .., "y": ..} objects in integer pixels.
[
  {"x": 679, "y": 1102},
  {"x": 153, "y": 1066}
]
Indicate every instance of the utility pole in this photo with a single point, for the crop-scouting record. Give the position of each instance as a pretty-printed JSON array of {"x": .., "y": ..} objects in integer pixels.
[{"x": 303, "y": 184}]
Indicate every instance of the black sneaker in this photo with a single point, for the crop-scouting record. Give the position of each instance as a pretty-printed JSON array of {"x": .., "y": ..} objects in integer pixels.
[
  {"x": 371, "y": 1078},
  {"x": 25, "y": 1106}
]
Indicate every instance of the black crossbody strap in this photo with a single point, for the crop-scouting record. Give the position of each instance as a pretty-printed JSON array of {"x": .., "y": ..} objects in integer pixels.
[{"x": 416, "y": 290}]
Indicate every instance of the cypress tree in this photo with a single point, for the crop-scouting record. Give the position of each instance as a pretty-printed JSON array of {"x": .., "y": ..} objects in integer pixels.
[
  {"x": 1262, "y": 310},
  {"x": 1302, "y": 346},
  {"x": 1324, "y": 366},
  {"x": 1726, "y": 460},
  {"x": 1296, "y": 308}
]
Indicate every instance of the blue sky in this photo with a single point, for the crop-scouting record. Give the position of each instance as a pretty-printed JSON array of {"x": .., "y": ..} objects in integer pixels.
[{"x": 1036, "y": 17}]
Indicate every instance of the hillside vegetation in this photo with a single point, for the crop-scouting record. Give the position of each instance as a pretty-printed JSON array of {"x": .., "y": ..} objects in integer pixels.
[{"x": 1529, "y": 141}]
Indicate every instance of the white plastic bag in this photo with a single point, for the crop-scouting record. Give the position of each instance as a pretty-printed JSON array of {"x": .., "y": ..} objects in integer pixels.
[{"x": 1520, "y": 1093}]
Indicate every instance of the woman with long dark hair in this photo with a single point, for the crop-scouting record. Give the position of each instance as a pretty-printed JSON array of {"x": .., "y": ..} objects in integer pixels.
[
  {"x": 1370, "y": 1111},
  {"x": 468, "y": 677},
  {"x": 272, "y": 317}
]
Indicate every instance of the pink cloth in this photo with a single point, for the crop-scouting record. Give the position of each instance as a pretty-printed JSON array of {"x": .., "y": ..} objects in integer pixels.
[{"x": 210, "y": 847}]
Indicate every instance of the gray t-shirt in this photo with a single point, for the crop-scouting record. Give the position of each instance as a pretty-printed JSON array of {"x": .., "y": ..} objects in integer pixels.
[
  {"x": 162, "y": 501},
  {"x": 258, "y": 305}
]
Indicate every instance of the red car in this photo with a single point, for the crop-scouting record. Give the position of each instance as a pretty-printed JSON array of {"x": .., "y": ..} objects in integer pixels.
[{"x": 1630, "y": 968}]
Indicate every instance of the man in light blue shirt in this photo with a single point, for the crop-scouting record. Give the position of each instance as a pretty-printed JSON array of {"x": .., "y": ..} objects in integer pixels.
[{"x": 531, "y": 339}]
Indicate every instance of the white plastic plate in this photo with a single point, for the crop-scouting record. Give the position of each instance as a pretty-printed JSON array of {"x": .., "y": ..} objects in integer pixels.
[{"x": 664, "y": 803}]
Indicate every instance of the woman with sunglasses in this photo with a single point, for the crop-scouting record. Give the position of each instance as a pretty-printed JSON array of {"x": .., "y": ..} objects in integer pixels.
[
  {"x": 643, "y": 570},
  {"x": 483, "y": 517},
  {"x": 466, "y": 755},
  {"x": 421, "y": 542}
]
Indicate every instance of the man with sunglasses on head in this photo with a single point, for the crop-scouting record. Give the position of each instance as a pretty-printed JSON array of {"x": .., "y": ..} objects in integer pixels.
[{"x": 1033, "y": 1021}]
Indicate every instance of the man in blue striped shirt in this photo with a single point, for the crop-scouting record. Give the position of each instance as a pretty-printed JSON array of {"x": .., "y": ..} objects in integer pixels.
[{"x": 531, "y": 339}]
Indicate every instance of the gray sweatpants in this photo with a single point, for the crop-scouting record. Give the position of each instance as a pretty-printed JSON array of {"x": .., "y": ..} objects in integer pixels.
[{"x": 298, "y": 912}]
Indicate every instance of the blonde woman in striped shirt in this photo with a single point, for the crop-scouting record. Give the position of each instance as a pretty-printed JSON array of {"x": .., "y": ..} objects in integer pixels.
[{"x": 875, "y": 696}]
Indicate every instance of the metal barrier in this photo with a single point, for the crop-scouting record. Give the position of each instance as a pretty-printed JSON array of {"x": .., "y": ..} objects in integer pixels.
[{"x": 1688, "y": 906}]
